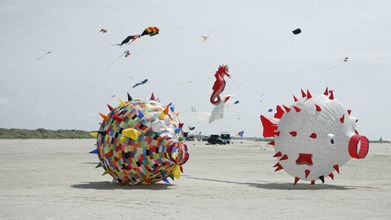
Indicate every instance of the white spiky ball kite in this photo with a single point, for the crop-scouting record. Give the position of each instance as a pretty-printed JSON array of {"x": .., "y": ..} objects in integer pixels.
[{"x": 314, "y": 137}]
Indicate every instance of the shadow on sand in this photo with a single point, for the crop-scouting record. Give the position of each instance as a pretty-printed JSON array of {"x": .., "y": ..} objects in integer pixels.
[
  {"x": 115, "y": 186},
  {"x": 280, "y": 186}
]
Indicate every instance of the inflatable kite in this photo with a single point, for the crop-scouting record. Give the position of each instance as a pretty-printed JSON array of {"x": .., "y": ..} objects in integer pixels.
[
  {"x": 141, "y": 142},
  {"x": 219, "y": 85},
  {"x": 314, "y": 137}
]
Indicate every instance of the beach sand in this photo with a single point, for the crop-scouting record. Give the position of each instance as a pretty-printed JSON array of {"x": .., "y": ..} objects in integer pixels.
[{"x": 56, "y": 179}]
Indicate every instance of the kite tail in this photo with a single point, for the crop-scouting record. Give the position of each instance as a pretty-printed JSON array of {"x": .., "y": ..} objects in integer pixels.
[{"x": 215, "y": 99}]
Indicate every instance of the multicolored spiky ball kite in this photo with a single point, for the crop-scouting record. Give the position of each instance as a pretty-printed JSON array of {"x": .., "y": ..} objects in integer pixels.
[
  {"x": 141, "y": 142},
  {"x": 314, "y": 137}
]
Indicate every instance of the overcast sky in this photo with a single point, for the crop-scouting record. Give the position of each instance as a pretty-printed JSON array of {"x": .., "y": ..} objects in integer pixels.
[{"x": 68, "y": 87}]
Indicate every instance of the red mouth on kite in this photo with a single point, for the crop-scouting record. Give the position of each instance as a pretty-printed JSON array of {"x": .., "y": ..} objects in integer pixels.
[{"x": 304, "y": 159}]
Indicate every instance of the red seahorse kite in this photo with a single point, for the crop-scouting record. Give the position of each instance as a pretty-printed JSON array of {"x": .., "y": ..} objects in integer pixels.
[{"x": 219, "y": 85}]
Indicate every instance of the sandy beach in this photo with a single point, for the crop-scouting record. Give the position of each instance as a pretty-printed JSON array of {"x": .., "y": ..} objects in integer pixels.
[{"x": 56, "y": 179}]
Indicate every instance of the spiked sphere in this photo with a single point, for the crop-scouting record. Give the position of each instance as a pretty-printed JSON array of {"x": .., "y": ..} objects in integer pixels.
[
  {"x": 314, "y": 137},
  {"x": 141, "y": 142}
]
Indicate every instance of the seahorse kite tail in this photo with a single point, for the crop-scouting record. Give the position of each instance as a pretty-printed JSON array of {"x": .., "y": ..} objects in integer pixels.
[{"x": 219, "y": 85}]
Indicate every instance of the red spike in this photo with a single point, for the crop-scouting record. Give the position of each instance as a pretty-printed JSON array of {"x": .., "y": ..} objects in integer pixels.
[
  {"x": 297, "y": 109},
  {"x": 293, "y": 133},
  {"x": 278, "y": 168},
  {"x": 331, "y": 97},
  {"x": 286, "y": 108},
  {"x": 181, "y": 168},
  {"x": 326, "y": 92},
  {"x": 110, "y": 108},
  {"x": 342, "y": 118},
  {"x": 318, "y": 108},
  {"x": 312, "y": 182},
  {"x": 285, "y": 157},
  {"x": 307, "y": 172},
  {"x": 181, "y": 125},
  {"x": 279, "y": 112},
  {"x": 277, "y": 165},
  {"x": 269, "y": 126},
  {"x": 295, "y": 99},
  {"x": 355, "y": 131},
  {"x": 277, "y": 133},
  {"x": 271, "y": 143},
  {"x": 313, "y": 135},
  {"x": 303, "y": 94},
  {"x": 278, "y": 154},
  {"x": 304, "y": 159},
  {"x": 296, "y": 180},
  {"x": 308, "y": 94},
  {"x": 153, "y": 97},
  {"x": 331, "y": 175},
  {"x": 336, "y": 168},
  {"x": 349, "y": 111}
]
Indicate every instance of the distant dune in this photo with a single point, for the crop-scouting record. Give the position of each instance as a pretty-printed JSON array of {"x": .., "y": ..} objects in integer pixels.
[{"x": 42, "y": 133}]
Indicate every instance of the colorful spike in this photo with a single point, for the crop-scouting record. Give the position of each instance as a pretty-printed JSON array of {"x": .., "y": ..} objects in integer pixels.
[
  {"x": 110, "y": 107},
  {"x": 269, "y": 126},
  {"x": 153, "y": 97},
  {"x": 285, "y": 157},
  {"x": 293, "y": 133},
  {"x": 308, "y": 94},
  {"x": 321, "y": 178},
  {"x": 318, "y": 108},
  {"x": 326, "y": 92},
  {"x": 278, "y": 154},
  {"x": 295, "y": 99},
  {"x": 296, "y": 180},
  {"x": 313, "y": 135},
  {"x": 307, "y": 172},
  {"x": 336, "y": 168},
  {"x": 94, "y": 151},
  {"x": 287, "y": 109},
  {"x": 94, "y": 134},
  {"x": 342, "y": 119},
  {"x": 122, "y": 103},
  {"x": 103, "y": 116},
  {"x": 303, "y": 95},
  {"x": 297, "y": 109},
  {"x": 106, "y": 172},
  {"x": 271, "y": 143},
  {"x": 349, "y": 111},
  {"x": 129, "y": 98},
  {"x": 278, "y": 168},
  {"x": 331, "y": 97},
  {"x": 331, "y": 175},
  {"x": 279, "y": 112}
]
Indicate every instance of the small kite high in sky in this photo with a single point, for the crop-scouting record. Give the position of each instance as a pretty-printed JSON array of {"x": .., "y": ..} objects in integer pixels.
[
  {"x": 43, "y": 55},
  {"x": 103, "y": 30},
  {"x": 205, "y": 38},
  {"x": 296, "y": 31},
  {"x": 140, "y": 83}
]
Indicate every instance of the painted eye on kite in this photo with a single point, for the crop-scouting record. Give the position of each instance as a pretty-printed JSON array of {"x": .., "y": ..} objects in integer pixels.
[{"x": 331, "y": 138}]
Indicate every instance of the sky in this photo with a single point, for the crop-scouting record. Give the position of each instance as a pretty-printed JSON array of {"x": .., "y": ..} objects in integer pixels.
[{"x": 67, "y": 88}]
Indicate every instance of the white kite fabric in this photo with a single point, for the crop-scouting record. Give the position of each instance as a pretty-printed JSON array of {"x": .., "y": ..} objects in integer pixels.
[{"x": 314, "y": 137}]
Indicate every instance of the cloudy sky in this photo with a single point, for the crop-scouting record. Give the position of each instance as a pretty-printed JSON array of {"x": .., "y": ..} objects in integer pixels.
[{"x": 66, "y": 88}]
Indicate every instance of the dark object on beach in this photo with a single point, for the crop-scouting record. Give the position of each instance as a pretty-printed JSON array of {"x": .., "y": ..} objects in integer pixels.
[{"x": 297, "y": 31}]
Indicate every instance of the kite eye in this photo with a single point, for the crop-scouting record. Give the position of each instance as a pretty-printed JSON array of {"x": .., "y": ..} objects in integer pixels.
[{"x": 331, "y": 138}]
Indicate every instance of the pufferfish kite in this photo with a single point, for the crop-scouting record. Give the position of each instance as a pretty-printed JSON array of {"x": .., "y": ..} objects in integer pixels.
[
  {"x": 150, "y": 31},
  {"x": 314, "y": 137},
  {"x": 141, "y": 142}
]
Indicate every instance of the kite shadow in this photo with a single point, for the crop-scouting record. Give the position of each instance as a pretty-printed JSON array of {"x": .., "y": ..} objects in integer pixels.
[
  {"x": 116, "y": 186},
  {"x": 281, "y": 186}
]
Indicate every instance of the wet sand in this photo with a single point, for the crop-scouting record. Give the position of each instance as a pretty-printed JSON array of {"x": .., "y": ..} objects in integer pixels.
[{"x": 56, "y": 179}]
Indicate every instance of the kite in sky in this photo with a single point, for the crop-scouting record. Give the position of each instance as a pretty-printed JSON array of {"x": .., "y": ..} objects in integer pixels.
[
  {"x": 103, "y": 30},
  {"x": 140, "y": 83},
  {"x": 314, "y": 137},
  {"x": 296, "y": 31},
  {"x": 205, "y": 38},
  {"x": 219, "y": 85},
  {"x": 240, "y": 133},
  {"x": 43, "y": 55},
  {"x": 150, "y": 31}
]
